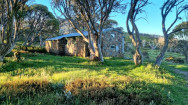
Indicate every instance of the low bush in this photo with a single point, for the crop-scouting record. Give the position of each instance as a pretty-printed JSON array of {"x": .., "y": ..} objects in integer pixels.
[
  {"x": 175, "y": 60},
  {"x": 10, "y": 54},
  {"x": 22, "y": 88},
  {"x": 146, "y": 54},
  {"x": 101, "y": 92},
  {"x": 32, "y": 49}
]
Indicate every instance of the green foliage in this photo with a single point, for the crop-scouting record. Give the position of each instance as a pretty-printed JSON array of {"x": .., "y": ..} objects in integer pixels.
[
  {"x": 182, "y": 30},
  {"x": 110, "y": 23},
  {"x": 31, "y": 49},
  {"x": 42, "y": 8}
]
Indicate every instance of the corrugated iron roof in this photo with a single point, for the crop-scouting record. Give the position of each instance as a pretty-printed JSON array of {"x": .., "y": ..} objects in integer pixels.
[
  {"x": 67, "y": 36},
  {"x": 77, "y": 34}
]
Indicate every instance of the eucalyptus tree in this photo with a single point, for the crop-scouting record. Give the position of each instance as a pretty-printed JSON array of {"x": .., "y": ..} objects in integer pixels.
[
  {"x": 183, "y": 39},
  {"x": 110, "y": 23},
  {"x": 92, "y": 14},
  {"x": 136, "y": 7},
  {"x": 182, "y": 34},
  {"x": 39, "y": 22},
  {"x": 10, "y": 16},
  {"x": 169, "y": 6}
]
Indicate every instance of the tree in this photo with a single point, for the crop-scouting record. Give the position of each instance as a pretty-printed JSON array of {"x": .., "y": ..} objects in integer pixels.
[
  {"x": 169, "y": 6},
  {"x": 182, "y": 47},
  {"x": 65, "y": 27},
  {"x": 110, "y": 23},
  {"x": 183, "y": 36},
  {"x": 153, "y": 44},
  {"x": 136, "y": 7},
  {"x": 10, "y": 15},
  {"x": 90, "y": 14},
  {"x": 39, "y": 23}
]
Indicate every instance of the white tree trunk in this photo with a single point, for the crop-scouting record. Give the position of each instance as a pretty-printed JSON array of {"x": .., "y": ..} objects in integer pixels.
[{"x": 100, "y": 52}]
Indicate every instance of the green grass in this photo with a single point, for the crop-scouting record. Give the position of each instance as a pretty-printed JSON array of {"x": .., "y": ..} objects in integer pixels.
[{"x": 43, "y": 78}]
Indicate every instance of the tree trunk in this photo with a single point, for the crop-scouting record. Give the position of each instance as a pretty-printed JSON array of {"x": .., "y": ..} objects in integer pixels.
[
  {"x": 100, "y": 52},
  {"x": 41, "y": 41},
  {"x": 162, "y": 53},
  {"x": 186, "y": 58},
  {"x": 186, "y": 53},
  {"x": 138, "y": 57},
  {"x": 94, "y": 55},
  {"x": 24, "y": 44},
  {"x": 95, "y": 50},
  {"x": 31, "y": 42},
  {"x": 1, "y": 58}
]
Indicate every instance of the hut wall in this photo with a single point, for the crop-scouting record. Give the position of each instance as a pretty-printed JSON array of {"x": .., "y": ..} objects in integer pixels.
[
  {"x": 62, "y": 43},
  {"x": 76, "y": 46},
  {"x": 56, "y": 46},
  {"x": 113, "y": 44},
  {"x": 52, "y": 46}
]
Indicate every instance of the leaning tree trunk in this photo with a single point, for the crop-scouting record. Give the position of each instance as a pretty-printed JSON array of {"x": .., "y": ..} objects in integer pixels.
[
  {"x": 160, "y": 57},
  {"x": 6, "y": 49},
  {"x": 9, "y": 31}
]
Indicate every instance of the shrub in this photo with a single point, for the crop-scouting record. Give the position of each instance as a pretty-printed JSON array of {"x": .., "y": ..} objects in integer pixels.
[
  {"x": 175, "y": 60},
  {"x": 146, "y": 55},
  {"x": 101, "y": 92},
  {"x": 10, "y": 54},
  {"x": 23, "y": 88}
]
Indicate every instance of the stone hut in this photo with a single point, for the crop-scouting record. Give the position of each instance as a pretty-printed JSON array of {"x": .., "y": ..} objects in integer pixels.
[{"x": 74, "y": 45}]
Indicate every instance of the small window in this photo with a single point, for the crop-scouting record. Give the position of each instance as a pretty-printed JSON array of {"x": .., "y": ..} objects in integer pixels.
[
  {"x": 113, "y": 47},
  {"x": 112, "y": 35}
]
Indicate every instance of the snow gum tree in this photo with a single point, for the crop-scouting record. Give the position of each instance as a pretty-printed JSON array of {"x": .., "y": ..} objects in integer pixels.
[{"x": 10, "y": 16}]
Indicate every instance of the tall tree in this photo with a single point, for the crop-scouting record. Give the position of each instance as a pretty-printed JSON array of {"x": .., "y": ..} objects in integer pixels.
[
  {"x": 110, "y": 23},
  {"x": 183, "y": 34},
  {"x": 91, "y": 14},
  {"x": 168, "y": 6},
  {"x": 10, "y": 15},
  {"x": 183, "y": 39},
  {"x": 136, "y": 7},
  {"x": 39, "y": 23}
]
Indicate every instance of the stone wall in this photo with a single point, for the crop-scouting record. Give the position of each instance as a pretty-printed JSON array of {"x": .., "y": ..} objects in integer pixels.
[
  {"x": 113, "y": 44},
  {"x": 55, "y": 46},
  {"x": 76, "y": 46},
  {"x": 52, "y": 46}
]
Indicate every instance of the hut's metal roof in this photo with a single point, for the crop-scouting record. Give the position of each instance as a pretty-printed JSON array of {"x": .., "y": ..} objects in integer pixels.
[
  {"x": 67, "y": 36},
  {"x": 77, "y": 34}
]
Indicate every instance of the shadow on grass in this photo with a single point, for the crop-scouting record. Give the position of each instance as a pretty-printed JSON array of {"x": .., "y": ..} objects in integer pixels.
[{"x": 65, "y": 63}]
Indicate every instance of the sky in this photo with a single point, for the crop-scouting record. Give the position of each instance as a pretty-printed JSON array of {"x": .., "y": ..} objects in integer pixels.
[{"x": 152, "y": 15}]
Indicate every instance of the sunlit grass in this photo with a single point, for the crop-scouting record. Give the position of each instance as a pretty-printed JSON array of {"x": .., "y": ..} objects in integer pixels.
[
  {"x": 180, "y": 67},
  {"x": 121, "y": 75}
]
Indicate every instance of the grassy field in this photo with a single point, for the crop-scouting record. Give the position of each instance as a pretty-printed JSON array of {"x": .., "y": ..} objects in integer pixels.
[{"x": 47, "y": 79}]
